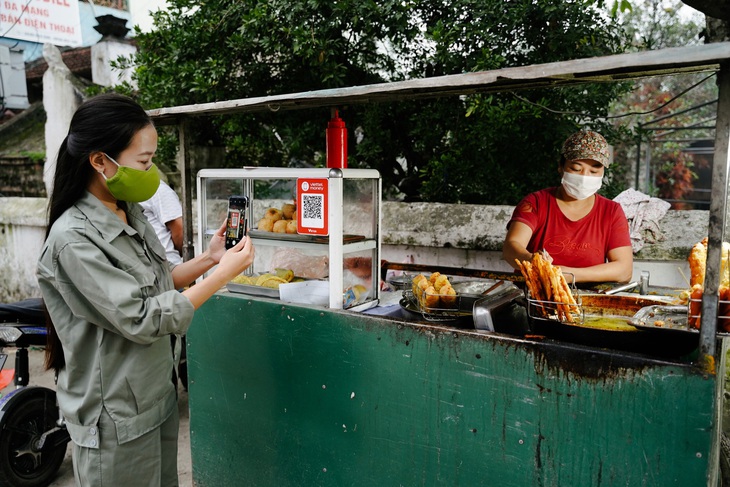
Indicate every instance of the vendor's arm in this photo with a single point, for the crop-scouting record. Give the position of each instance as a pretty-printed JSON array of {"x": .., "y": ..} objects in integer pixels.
[
  {"x": 515, "y": 243},
  {"x": 176, "y": 233},
  {"x": 619, "y": 268}
]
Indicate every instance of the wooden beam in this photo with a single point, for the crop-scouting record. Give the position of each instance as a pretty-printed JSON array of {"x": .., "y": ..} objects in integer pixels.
[
  {"x": 186, "y": 183},
  {"x": 718, "y": 215}
]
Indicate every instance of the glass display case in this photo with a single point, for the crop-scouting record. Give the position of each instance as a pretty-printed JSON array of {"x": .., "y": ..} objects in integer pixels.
[{"x": 312, "y": 229}]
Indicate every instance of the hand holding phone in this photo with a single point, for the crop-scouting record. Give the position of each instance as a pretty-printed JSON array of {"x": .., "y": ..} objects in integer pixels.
[{"x": 237, "y": 224}]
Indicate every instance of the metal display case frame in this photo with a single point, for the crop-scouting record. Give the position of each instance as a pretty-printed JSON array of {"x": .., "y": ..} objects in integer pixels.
[{"x": 337, "y": 248}]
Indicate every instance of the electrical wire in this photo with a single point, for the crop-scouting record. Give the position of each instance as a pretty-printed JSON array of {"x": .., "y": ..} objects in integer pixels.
[{"x": 609, "y": 117}]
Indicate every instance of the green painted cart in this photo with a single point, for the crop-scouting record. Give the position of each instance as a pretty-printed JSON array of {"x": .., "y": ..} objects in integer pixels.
[
  {"x": 286, "y": 395},
  {"x": 296, "y": 395}
]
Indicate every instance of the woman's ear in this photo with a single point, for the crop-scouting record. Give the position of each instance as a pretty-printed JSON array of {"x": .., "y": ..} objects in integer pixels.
[{"x": 96, "y": 159}]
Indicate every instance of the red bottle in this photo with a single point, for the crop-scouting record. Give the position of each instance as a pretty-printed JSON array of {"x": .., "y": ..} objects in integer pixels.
[{"x": 336, "y": 142}]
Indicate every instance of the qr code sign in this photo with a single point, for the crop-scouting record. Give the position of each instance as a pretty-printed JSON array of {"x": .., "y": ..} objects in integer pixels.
[{"x": 312, "y": 208}]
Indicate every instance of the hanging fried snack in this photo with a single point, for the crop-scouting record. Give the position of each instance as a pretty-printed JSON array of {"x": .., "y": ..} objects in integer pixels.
[
  {"x": 695, "y": 306},
  {"x": 697, "y": 263},
  {"x": 723, "y": 312},
  {"x": 697, "y": 260}
]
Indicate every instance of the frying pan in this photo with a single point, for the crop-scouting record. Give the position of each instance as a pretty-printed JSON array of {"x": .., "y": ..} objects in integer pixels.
[{"x": 606, "y": 325}]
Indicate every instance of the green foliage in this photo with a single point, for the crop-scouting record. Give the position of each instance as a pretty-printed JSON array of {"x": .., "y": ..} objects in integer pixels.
[
  {"x": 36, "y": 157},
  {"x": 657, "y": 106},
  {"x": 479, "y": 149}
]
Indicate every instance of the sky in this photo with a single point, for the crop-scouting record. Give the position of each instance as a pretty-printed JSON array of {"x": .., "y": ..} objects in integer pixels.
[{"x": 140, "y": 9}]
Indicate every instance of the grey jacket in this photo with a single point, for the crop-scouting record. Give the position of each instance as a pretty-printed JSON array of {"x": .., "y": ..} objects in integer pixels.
[{"x": 109, "y": 292}]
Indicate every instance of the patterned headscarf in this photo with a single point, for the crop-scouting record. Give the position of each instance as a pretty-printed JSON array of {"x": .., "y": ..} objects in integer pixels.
[{"x": 586, "y": 144}]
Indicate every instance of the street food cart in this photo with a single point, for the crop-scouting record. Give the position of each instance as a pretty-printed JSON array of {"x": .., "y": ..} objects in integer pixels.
[{"x": 287, "y": 394}]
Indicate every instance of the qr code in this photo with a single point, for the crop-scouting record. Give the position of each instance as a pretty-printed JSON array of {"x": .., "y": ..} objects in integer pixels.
[{"x": 312, "y": 205}]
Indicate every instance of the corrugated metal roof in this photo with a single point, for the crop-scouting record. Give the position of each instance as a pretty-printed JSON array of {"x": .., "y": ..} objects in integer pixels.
[{"x": 590, "y": 70}]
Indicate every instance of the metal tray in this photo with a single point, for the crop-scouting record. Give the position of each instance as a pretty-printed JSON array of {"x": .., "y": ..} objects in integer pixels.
[
  {"x": 454, "y": 317},
  {"x": 658, "y": 317},
  {"x": 266, "y": 292},
  {"x": 295, "y": 237},
  {"x": 661, "y": 318}
]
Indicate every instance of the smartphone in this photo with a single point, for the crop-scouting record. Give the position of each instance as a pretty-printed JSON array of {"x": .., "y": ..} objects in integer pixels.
[{"x": 237, "y": 222}]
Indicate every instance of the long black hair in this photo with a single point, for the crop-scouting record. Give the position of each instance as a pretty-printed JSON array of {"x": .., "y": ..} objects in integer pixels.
[{"x": 105, "y": 123}]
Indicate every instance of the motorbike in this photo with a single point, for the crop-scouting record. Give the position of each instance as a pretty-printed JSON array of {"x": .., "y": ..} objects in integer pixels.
[{"x": 33, "y": 435}]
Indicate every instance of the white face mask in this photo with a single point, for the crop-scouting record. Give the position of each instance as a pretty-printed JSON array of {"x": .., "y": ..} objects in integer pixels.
[{"x": 581, "y": 187}]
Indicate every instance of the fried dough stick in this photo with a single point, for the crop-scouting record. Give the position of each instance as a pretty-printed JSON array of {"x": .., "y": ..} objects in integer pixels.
[
  {"x": 568, "y": 293},
  {"x": 540, "y": 264},
  {"x": 547, "y": 283},
  {"x": 532, "y": 282},
  {"x": 560, "y": 296}
]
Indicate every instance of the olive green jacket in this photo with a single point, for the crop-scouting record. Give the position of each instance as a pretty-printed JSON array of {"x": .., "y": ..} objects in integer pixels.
[{"x": 109, "y": 292}]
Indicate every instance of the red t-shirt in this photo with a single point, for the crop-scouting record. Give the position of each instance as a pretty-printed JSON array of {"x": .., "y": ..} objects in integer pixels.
[{"x": 582, "y": 243}]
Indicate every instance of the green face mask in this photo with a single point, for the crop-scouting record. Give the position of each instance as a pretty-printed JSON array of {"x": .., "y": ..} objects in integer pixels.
[{"x": 133, "y": 185}]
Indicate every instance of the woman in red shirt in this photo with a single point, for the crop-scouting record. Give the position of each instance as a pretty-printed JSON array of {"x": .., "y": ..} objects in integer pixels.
[{"x": 584, "y": 233}]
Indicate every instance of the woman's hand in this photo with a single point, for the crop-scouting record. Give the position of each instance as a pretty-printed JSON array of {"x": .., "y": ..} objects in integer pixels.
[
  {"x": 217, "y": 245},
  {"x": 231, "y": 263},
  {"x": 236, "y": 259}
]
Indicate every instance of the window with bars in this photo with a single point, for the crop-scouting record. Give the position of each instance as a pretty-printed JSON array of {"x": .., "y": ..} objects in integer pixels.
[{"x": 117, "y": 4}]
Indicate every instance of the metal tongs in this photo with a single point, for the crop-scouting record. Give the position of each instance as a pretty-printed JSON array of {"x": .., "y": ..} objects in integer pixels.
[{"x": 618, "y": 289}]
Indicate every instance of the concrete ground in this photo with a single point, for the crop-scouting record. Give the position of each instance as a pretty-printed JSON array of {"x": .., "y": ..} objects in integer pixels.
[{"x": 65, "y": 477}]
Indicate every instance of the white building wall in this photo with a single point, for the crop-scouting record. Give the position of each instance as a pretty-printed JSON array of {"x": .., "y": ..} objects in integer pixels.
[{"x": 409, "y": 235}]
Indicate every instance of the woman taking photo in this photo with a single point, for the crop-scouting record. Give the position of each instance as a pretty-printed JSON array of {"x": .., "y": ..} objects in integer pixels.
[
  {"x": 584, "y": 233},
  {"x": 112, "y": 300}
]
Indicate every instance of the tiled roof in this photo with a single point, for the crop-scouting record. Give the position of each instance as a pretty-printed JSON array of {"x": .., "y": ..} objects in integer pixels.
[{"x": 78, "y": 61}]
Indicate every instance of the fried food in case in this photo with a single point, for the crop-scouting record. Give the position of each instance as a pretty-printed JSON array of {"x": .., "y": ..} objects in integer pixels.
[
  {"x": 279, "y": 220},
  {"x": 270, "y": 280}
]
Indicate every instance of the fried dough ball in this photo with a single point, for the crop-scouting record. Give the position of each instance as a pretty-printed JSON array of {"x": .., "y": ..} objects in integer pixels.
[
  {"x": 415, "y": 285},
  {"x": 448, "y": 296},
  {"x": 430, "y": 298},
  {"x": 291, "y": 226},
  {"x": 423, "y": 284},
  {"x": 287, "y": 210},
  {"x": 273, "y": 214},
  {"x": 265, "y": 225},
  {"x": 433, "y": 277},
  {"x": 440, "y": 282},
  {"x": 280, "y": 226}
]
